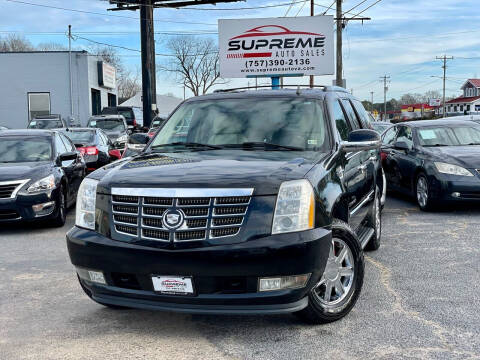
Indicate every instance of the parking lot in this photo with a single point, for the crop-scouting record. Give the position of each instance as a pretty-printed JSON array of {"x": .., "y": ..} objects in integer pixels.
[{"x": 420, "y": 300}]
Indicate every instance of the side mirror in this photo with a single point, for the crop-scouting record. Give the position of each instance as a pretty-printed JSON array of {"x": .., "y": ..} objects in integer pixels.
[
  {"x": 361, "y": 140},
  {"x": 401, "y": 145},
  {"x": 68, "y": 156},
  {"x": 115, "y": 154},
  {"x": 129, "y": 131}
]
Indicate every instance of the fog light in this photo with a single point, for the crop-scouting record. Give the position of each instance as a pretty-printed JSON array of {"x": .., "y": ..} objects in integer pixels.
[
  {"x": 91, "y": 275},
  {"x": 283, "y": 282},
  {"x": 44, "y": 209},
  {"x": 456, "y": 194}
]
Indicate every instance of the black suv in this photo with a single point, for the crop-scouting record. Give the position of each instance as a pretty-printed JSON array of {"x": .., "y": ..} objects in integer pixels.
[{"x": 244, "y": 202}]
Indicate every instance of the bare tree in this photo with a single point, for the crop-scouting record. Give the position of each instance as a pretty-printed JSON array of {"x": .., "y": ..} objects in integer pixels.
[
  {"x": 51, "y": 46},
  {"x": 195, "y": 63},
  {"x": 128, "y": 84},
  {"x": 14, "y": 42}
]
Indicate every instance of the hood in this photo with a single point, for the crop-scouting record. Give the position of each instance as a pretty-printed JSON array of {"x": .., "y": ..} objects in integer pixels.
[
  {"x": 465, "y": 156},
  {"x": 263, "y": 171},
  {"x": 113, "y": 135},
  {"x": 21, "y": 171}
]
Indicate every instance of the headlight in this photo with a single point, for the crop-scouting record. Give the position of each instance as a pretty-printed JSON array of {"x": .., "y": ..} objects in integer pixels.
[
  {"x": 87, "y": 194},
  {"x": 295, "y": 209},
  {"x": 452, "y": 169},
  {"x": 47, "y": 183},
  {"x": 122, "y": 138}
]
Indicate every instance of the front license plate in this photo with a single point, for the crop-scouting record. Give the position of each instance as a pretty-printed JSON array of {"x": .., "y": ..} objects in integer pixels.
[{"x": 173, "y": 285}]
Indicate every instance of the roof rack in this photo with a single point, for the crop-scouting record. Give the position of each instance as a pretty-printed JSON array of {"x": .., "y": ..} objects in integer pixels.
[{"x": 298, "y": 86}]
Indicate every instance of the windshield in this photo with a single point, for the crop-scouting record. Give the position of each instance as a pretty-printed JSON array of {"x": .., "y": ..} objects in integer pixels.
[
  {"x": 45, "y": 124},
  {"x": 296, "y": 122},
  {"x": 80, "y": 137},
  {"x": 449, "y": 136},
  {"x": 380, "y": 128},
  {"x": 25, "y": 149},
  {"x": 107, "y": 124}
]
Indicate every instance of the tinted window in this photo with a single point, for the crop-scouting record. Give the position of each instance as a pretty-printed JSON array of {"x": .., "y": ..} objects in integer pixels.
[
  {"x": 107, "y": 124},
  {"x": 354, "y": 123},
  {"x": 365, "y": 118},
  {"x": 389, "y": 136},
  {"x": 341, "y": 122},
  {"x": 45, "y": 124},
  {"x": 283, "y": 121},
  {"x": 405, "y": 135},
  {"x": 59, "y": 145},
  {"x": 81, "y": 137},
  {"x": 25, "y": 149}
]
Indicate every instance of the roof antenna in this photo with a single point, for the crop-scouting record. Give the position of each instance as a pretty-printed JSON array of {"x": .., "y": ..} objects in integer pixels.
[{"x": 298, "y": 90}]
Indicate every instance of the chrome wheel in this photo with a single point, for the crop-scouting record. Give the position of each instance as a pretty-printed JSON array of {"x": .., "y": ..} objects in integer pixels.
[
  {"x": 337, "y": 279},
  {"x": 422, "y": 191}
]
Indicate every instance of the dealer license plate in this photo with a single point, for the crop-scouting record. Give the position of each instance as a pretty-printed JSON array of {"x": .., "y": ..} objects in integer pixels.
[{"x": 173, "y": 285}]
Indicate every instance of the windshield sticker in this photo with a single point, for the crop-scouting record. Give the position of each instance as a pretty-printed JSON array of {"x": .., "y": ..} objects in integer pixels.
[
  {"x": 427, "y": 134},
  {"x": 33, "y": 123},
  {"x": 312, "y": 142},
  {"x": 93, "y": 123}
]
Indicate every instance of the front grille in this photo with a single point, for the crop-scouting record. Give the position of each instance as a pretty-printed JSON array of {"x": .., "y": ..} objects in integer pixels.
[
  {"x": 9, "y": 215},
  {"x": 7, "y": 189},
  {"x": 203, "y": 217}
]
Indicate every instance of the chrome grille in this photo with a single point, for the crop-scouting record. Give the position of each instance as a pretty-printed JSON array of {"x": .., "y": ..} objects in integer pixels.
[
  {"x": 9, "y": 189},
  {"x": 211, "y": 217}
]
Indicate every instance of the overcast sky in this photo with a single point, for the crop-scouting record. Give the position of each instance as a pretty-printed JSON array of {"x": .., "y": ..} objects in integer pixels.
[{"x": 402, "y": 39}]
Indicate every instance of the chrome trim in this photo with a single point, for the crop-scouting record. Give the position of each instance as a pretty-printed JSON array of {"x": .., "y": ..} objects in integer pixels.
[
  {"x": 196, "y": 239},
  {"x": 179, "y": 192},
  {"x": 236, "y": 204},
  {"x": 365, "y": 200},
  {"x": 19, "y": 183},
  {"x": 348, "y": 147},
  {"x": 155, "y": 239},
  {"x": 227, "y": 215},
  {"x": 227, "y": 226},
  {"x": 219, "y": 237},
  {"x": 124, "y": 233},
  {"x": 177, "y": 204},
  {"x": 133, "y": 226},
  {"x": 351, "y": 155}
]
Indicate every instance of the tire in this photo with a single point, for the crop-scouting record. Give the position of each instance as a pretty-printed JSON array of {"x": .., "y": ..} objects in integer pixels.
[
  {"x": 321, "y": 311},
  {"x": 375, "y": 222},
  {"x": 422, "y": 193},
  {"x": 61, "y": 211},
  {"x": 89, "y": 294}
]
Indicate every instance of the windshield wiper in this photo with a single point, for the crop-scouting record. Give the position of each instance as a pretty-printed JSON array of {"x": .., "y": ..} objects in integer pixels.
[
  {"x": 475, "y": 143},
  {"x": 432, "y": 145},
  {"x": 190, "y": 145},
  {"x": 264, "y": 145}
]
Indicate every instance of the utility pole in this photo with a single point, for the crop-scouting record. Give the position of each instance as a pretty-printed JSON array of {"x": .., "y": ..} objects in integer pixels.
[
  {"x": 444, "y": 58},
  {"x": 70, "y": 69},
  {"x": 385, "y": 78},
  {"x": 371, "y": 93},
  {"x": 149, "y": 89},
  {"x": 339, "y": 80},
  {"x": 312, "y": 13}
]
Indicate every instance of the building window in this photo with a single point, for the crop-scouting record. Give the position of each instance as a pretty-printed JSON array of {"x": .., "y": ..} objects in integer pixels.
[
  {"x": 38, "y": 104},
  {"x": 96, "y": 102},
  {"x": 468, "y": 107},
  {"x": 461, "y": 107},
  {"x": 112, "y": 99}
]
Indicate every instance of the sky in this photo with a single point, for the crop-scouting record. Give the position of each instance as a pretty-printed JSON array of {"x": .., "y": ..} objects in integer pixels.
[{"x": 401, "y": 40}]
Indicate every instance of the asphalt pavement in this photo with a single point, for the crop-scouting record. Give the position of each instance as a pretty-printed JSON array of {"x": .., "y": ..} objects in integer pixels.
[{"x": 420, "y": 300}]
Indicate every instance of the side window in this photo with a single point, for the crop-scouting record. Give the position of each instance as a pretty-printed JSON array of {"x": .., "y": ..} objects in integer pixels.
[
  {"x": 101, "y": 138},
  {"x": 342, "y": 125},
  {"x": 405, "y": 135},
  {"x": 362, "y": 114},
  {"x": 352, "y": 116},
  {"x": 389, "y": 136},
  {"x": 68, "y": 143},
  {"x": 59, "y": 145}
]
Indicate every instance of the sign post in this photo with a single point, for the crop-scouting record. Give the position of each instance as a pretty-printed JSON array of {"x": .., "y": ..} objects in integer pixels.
[{"x": 275, "y": 47}]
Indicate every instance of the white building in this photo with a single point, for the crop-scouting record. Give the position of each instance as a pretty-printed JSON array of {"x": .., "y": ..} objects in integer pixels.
[
  {"x": 469, "y": 103},
  {"x": 37, "y": 83}
]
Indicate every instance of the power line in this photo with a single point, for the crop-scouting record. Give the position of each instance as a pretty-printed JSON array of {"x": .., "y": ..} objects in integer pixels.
[
  {"x": 328, "y": 8},
  {"x": 361, "y": 12},
  {"x": 101, "y": 14},
  {"x": 301, "y": 8},
  {"x": 289, "y": 8},
  {"x": 353, "y": 8}
]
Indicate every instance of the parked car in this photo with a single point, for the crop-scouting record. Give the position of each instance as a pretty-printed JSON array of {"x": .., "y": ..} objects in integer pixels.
[
  {"x": 157, "y": 123},
  {"x": 114, "y": 126},
  {"x": 126, "y": 111},
  {"x": 136, "y": 144},
  {"x": 45, "y": 122},
  {"x": 40, "y": 173},
  {"x": 434, "y": 160},
  {"x": 380, "y": 126},
  {"x": 94, "y": 145},
  {"x": 242, "y": 216},
  {"x": 474, "y": 118},
  {"x": 3, "y": 128}
]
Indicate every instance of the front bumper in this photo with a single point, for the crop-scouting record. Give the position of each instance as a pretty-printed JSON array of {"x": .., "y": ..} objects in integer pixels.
[
  {"x": 225, "y": 277},
  {"x": 466, "y": 189},
  {"x": 21, "y": 207}
]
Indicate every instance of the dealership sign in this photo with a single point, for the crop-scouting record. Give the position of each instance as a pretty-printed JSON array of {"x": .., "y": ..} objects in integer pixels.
[
  {"x": 276, "y": 47},
  {"x": 434, "y": 102},
  {"x": 106, "y": 75}
]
